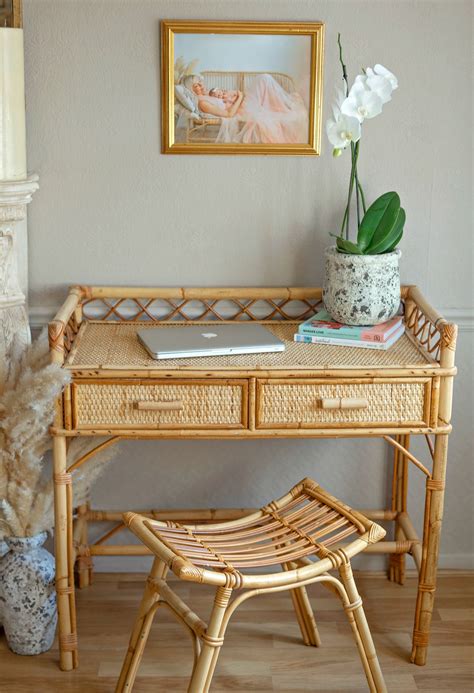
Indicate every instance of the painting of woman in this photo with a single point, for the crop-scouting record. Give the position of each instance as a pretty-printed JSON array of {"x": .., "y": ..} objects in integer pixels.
[{"x": 266, "y": 113}]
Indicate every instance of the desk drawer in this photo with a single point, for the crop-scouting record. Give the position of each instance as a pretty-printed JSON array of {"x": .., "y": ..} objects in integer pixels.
[
  {"x": 160, "y": 404},
  {"x": 317, "y": 403}
]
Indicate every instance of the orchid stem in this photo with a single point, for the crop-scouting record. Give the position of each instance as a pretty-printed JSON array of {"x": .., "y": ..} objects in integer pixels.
[
  {"x": 362, "y": 196},
  {"x": 346, "y": 218},
  {"x": 343, "y": 223},
  {"x": 354, "y": 156},
  {"x": 357, "y": 200},
  {"x": 347, "y": 213},
  {"x": 343, "y": 65},
  {"x": 357, "y": 187}
]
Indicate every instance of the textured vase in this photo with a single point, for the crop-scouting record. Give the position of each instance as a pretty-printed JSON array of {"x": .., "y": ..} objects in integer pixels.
[
  {"x": 27, "y": 595},
  {"x": 361, "y": 289}
]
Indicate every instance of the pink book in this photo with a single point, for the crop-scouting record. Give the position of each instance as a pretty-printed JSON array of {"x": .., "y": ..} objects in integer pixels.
[{"x": 323, "y": 325}]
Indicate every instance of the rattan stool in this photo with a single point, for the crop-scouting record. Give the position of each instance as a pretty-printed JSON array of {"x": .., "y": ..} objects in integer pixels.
[{"x": 287, "y": 532}]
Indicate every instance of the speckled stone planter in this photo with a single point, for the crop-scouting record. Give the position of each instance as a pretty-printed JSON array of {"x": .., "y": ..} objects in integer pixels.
[
  {"x": 361, "y": 289},
  {"x": 27, "y": 596},
  {"x": 3, "y": 551}
]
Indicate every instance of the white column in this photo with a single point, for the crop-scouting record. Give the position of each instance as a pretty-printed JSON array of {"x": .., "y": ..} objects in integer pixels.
[
  {"x": 16, "y": 190},
  {"x": 14, "y": 327}
]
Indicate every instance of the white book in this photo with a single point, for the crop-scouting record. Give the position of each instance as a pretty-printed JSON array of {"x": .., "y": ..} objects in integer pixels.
[{"x": 381, "y": 346}]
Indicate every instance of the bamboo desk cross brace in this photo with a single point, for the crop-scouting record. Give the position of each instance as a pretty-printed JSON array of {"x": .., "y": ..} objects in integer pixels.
[{"x": 307, "y": 391}]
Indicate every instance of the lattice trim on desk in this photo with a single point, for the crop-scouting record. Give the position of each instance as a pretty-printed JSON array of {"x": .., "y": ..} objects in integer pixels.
[
  {"x": 196, "y": 310},
  {"x": 61, "y": 336},
  {"x": 425, "y": 331}
]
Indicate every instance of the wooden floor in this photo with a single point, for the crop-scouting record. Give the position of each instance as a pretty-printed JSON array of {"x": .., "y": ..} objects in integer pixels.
[{"x": 263, "y": 651}]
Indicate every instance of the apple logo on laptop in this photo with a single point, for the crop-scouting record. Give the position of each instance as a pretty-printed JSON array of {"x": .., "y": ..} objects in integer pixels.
[{"x": 208, "y": 335}]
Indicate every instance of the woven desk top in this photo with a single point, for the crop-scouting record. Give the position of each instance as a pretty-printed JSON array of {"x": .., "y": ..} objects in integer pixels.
[{"x": 114, "y": 346}]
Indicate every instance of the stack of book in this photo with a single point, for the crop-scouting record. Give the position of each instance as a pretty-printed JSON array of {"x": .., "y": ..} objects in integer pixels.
[{"x": 322, "y": 329}]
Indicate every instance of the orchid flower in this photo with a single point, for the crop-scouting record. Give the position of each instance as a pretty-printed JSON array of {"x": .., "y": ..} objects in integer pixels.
[
  {"x": 343, "y": 131},
  {"x": 378, "y": 85},
  {"x": 362, "y": 103},
  {"x": 383, "y": 72},
  {"x": 336, "y": 106}
]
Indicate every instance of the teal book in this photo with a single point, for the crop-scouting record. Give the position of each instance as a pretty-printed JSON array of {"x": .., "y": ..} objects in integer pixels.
[
  {"x": 346, "y": 342},
  {"x": 322, "y": 325}
]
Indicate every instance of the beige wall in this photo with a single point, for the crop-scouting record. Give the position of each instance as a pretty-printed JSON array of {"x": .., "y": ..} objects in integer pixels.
[{"x": 111, "y": 209}]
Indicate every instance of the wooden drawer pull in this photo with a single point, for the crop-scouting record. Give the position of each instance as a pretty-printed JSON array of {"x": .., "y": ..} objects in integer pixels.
[
  {"x": 174, "y": 405},
  {"x": 344, "y": 403}
]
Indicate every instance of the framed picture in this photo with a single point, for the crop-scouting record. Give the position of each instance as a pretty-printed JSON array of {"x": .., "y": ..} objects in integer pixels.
[
  {"x": 241, "y": 87},
  {"x": 11, "y": 13}
]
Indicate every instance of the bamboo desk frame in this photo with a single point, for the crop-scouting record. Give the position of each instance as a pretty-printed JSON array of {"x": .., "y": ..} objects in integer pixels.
[{"x": 329, "y": 392}]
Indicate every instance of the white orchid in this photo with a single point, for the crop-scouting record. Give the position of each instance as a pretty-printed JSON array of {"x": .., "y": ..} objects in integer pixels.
[
  {"x": 378, "y": 85},
  {"x": 343, "y": 131},
  {"x": 370, "y": 91},
  {"x": 383, "y": 72},
  {"x": 362, "y": 103},
  {"x": 336, "y": 106}
]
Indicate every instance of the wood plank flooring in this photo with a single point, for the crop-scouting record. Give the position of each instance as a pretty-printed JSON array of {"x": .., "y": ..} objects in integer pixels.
[{"x": 263, "y": 651}]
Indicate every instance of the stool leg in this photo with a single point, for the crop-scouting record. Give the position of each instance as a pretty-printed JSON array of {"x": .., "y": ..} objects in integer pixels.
[
  {"x": 140, "y": 630},
  {"x": 304, "y": 613},
  {"x": 361, "y": 631},
  {"x": 212, "y": 641}
]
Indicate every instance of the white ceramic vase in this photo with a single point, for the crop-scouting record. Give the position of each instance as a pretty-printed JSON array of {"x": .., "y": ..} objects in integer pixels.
[
  {"x": 361, "y": 289},
  {"x": 27, "y": 595}
]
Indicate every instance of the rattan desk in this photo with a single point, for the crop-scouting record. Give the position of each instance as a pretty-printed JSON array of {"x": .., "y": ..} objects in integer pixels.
[{"x": 309, "y": 391}]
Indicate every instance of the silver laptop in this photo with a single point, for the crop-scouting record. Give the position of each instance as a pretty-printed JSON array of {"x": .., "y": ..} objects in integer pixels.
[{"x": 208, "y": 340}]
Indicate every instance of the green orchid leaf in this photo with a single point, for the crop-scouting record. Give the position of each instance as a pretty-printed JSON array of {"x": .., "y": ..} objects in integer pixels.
[
  {"x": 348, "y": 246},
  {"x": 395, "y": 243},
  {"x": 391, "y": 239},
  {"x": 378, "y": 220},
  {"x": 398, "y": 239}
]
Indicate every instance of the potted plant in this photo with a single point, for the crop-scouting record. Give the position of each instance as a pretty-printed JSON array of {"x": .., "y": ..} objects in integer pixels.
[
  {"x": 27, "y": 576},
  {"x": 362, "y": 279}
]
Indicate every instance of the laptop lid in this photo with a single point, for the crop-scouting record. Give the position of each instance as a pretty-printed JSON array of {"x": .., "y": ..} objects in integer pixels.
[{"x": 185, "y": 341}]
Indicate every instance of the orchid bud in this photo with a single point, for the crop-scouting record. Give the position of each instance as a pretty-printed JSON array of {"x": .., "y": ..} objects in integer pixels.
[{"x": 336, "y": 152}]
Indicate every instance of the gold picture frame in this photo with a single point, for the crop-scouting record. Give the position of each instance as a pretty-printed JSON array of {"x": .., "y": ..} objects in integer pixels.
[
  {"x": 247, "y": 111},
  {"x": 11, "y": 13}
]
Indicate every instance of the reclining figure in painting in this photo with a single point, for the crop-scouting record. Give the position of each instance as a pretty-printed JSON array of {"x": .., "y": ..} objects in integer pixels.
[{"x": 266, "y": 110}]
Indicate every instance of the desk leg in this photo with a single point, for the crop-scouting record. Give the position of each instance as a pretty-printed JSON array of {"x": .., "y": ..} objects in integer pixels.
[
  {"x": 434, "y": 501},
  {"x": 83, "y": 559},
  {"x": 64, "y": 557},
  {"x": 396, "y": 571}
]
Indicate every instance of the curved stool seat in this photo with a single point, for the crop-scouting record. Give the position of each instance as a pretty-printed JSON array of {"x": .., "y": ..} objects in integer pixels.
[{"x": 302, "y": 532}]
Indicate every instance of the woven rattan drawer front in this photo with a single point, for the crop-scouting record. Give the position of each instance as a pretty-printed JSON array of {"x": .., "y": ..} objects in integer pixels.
[
  {"x": 160, "y": 404},
  {"x": 318, "y": 403}
]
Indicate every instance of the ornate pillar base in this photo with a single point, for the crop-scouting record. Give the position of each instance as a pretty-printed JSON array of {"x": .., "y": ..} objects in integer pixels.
[{"x": 14, "y": 327}]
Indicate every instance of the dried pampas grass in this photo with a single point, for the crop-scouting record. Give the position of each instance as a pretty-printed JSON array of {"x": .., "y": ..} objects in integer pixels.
[{"x": 26, "y": 412}]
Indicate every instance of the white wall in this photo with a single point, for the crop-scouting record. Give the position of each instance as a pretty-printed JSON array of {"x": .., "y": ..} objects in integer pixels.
[{"x": 113, "y": 210}]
